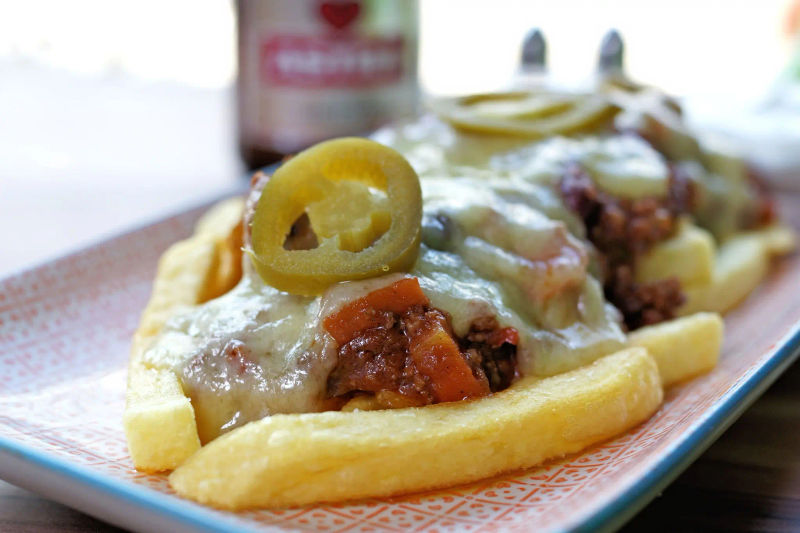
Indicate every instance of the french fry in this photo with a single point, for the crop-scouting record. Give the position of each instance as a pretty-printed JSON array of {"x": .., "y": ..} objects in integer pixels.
[
  {"x": 687, "y": 256},
  {"x": 183, "y": 274},
  {"x": 223, "y": 226},
  {"x": 682, "y": 348},
  {"x": 218, "y": 221},
  {"x": 289, "y": 460},
  {"x": 159, "y": 420},
  {"x": 778, "y": 239},
  {"x": 741, "y": 263}
]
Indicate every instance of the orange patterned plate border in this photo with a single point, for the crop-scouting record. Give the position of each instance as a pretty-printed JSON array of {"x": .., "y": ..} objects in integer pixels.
[{"x": 64, "y": 337}]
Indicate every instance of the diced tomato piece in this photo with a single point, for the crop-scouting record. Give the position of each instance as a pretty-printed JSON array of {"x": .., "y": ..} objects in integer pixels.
[
  {"x": 361, "y": 314},
  {"x": 433, "y": 349},
  {"x": 436, "y": 355},
  {"x": 503, "y": 336}
]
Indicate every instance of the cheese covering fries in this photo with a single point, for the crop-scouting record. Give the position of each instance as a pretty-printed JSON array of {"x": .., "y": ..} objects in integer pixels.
[
  {"x": 468, "y": 295},
  {"x": 288, "y": 460}
]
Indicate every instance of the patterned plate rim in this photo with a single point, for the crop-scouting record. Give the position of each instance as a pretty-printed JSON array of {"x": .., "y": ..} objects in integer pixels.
[
  {"x": 717, "y": 419},
  {"x": 608, "y": 517}
]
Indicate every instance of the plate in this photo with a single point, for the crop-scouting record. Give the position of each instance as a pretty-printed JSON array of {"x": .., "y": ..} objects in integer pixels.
[{"x": 65, "y": 329}]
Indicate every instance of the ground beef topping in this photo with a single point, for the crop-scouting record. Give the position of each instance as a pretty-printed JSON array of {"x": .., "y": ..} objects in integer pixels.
[
  {"x": 378, "y": 359},
  {"x": 622, "y": 229},
  {"x": 764, "y": 210},
  {"x": 493, "y": 351},
  {"x": 643, "y": 304}
]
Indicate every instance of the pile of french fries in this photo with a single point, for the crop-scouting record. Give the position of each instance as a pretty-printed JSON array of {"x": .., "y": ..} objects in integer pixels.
[{"x": 297, "y": 459}]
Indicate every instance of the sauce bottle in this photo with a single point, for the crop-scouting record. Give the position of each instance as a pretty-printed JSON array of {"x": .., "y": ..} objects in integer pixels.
[{"x": 315, "y": 69}]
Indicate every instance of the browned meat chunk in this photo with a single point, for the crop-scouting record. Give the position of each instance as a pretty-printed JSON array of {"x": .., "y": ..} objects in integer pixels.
[
  {"x": 622, "y": 229},
  {"x": 493, "y": 350},
  {"x": 381, "y": 358}
]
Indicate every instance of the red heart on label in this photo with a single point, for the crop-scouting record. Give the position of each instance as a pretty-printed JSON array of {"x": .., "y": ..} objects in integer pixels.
[{"x": 339, "y": 14}]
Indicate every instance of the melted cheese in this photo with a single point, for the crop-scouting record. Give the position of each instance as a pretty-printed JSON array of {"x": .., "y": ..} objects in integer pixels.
[
  {"x": 497, "y": 241},
  {"x": 257, "y": 351}
]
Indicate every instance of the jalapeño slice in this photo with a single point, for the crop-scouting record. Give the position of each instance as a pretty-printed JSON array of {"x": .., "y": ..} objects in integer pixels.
[
  {"x": 364, "y": 204},
  {"x": 526, "y": 113}
]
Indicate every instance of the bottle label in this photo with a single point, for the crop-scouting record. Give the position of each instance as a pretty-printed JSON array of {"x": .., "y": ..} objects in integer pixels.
[
  {"x": 318, "y": 62},
  {"x": 311, "y": 70}
]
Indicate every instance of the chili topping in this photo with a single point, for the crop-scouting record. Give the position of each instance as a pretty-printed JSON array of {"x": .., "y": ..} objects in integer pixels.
[{"x": 394, "y": 345}]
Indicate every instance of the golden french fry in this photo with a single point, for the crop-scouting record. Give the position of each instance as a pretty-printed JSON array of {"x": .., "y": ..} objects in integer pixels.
[
  {"x": 778, "y": 239},
  {"x": 741, "y": 263},
  {"x": 288, "y": 460},
  {"x": 222, "y": 225},
  {"x": 687, "y": 256},
  {"x": 740, "y": 266},
  {"x": 159, "y": 420},
  {"x": 228, "y": 269},
  {"x": 684, "y": 347},
  {"x": 221, "y": 218},
  {"x": 183, "y": 274}
]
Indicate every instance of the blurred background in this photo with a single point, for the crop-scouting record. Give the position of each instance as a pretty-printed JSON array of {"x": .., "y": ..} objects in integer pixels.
[{"x": 113, "y": 113}]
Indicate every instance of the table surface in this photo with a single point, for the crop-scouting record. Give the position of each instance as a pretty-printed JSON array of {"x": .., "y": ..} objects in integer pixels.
[{"x": 68, "y": 193}]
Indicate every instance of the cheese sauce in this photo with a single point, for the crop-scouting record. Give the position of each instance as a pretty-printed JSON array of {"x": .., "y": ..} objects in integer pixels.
[
  {"x": 497, "y": 241},
  {"x": 257, "y": 351}
]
